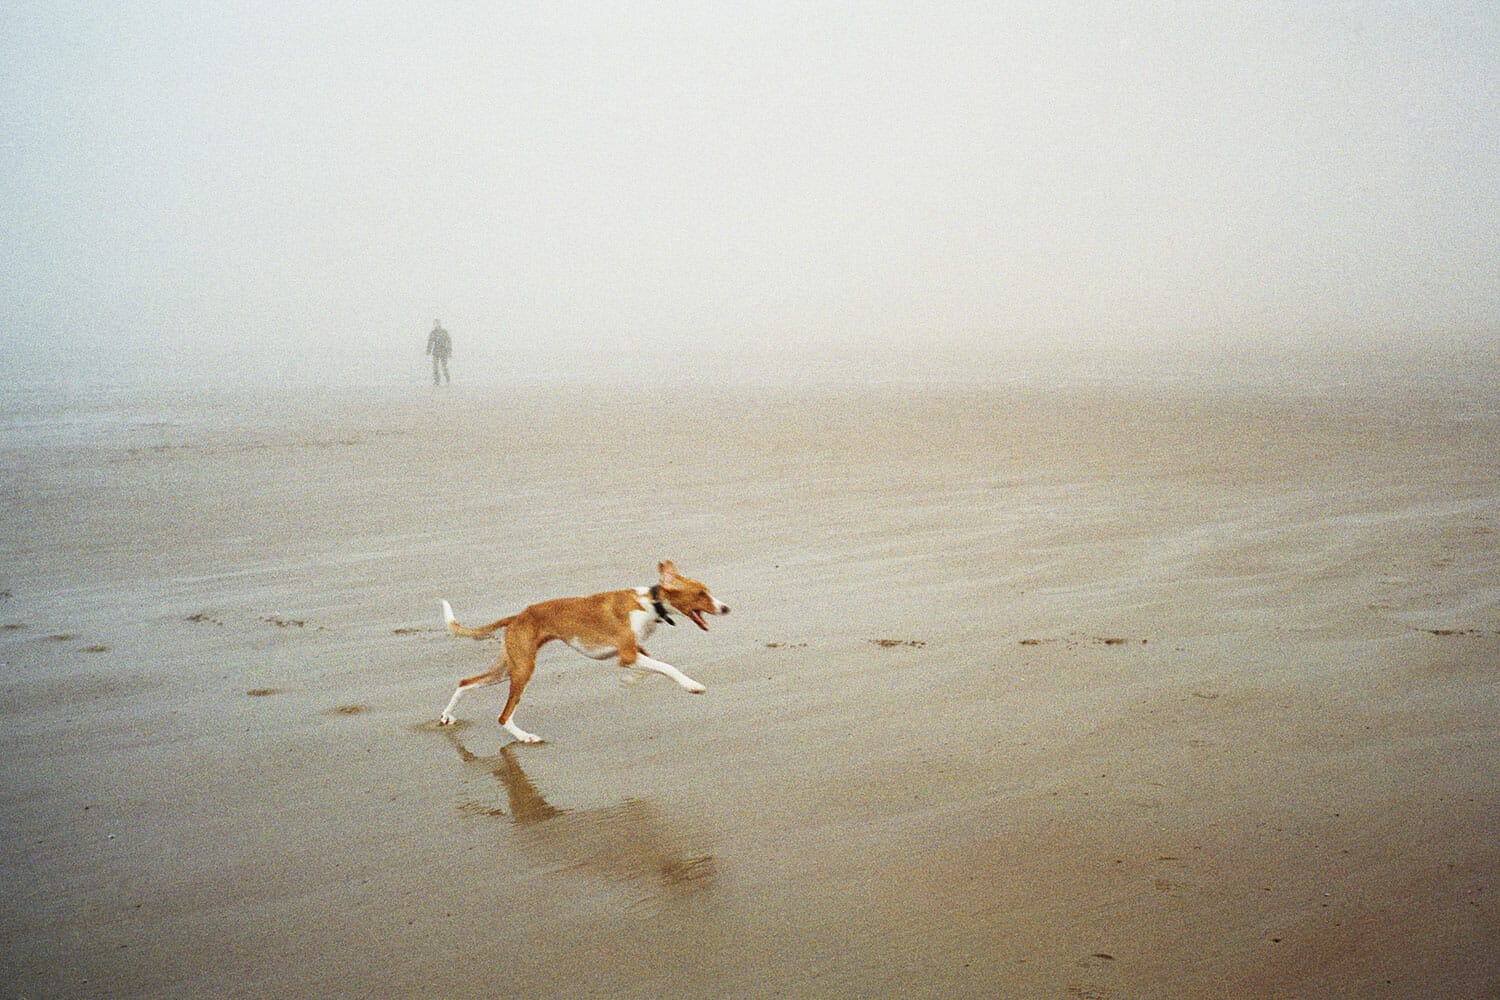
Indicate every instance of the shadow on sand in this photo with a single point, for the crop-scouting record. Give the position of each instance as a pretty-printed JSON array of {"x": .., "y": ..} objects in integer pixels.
[{"x": 631, "y": 841}]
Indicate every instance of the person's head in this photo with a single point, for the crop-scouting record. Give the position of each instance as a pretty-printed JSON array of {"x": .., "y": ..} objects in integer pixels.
[{"x": 437, "y": 323}]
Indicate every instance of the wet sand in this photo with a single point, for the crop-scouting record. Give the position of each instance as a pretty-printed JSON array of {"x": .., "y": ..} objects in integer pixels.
[{"x": 1037, "y": 688}]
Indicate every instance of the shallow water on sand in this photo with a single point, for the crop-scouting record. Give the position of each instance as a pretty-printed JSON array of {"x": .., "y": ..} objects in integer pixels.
[{"x": 1083, "y": 687}]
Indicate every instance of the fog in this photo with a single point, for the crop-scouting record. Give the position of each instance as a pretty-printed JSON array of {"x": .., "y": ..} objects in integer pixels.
[{"x": 296, "y": 191}]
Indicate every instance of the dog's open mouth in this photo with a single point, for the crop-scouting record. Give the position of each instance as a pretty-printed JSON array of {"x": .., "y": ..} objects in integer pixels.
[{"x": 697, "y": 619}]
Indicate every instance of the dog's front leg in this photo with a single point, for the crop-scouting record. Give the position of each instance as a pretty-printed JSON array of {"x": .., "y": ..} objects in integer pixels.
[{"x": 645, "y": 662}]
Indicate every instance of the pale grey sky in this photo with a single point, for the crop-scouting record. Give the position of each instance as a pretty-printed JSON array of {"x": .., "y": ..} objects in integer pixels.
[{"x": 238, "y": 185}]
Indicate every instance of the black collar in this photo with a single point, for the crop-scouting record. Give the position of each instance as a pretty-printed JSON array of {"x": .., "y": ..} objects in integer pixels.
[{"x": 661, "y": 609}]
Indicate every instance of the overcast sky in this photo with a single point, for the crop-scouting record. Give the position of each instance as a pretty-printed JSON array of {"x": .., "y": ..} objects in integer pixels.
[{"x": 299, "y": 188}]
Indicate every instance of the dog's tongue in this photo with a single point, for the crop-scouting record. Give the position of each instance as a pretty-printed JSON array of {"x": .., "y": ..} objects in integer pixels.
[{"x": 697, "y": 617}]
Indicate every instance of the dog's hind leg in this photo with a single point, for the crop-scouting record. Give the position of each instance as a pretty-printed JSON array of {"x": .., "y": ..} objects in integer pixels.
[
  {"x": 494, "y": 676},
  {"x": 521, "y": 655},
  {"x": 507, "y": 717}
]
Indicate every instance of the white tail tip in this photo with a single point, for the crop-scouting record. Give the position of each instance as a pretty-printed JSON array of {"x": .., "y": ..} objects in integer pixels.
[{"x": 448, "y": 614}]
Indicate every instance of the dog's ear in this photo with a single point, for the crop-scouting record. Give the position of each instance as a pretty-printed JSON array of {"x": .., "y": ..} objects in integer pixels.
[{"x": 668, "y": 571}]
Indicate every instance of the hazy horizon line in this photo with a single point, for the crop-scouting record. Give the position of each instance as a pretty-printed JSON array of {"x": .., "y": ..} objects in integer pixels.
[{"x": 1476, "y": 357}]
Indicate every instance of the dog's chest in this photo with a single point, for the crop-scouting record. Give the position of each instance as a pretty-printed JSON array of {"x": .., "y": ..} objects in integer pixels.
[
  {"x": 643, "y": 624},
  {"x": 643, "y": 619}
]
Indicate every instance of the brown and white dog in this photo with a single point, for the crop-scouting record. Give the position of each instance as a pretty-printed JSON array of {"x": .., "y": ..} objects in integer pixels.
[{"x": 601, "y": 627}]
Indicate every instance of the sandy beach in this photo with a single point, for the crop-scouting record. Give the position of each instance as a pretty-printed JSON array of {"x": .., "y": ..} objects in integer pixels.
[{"x": 1034, "y": 687}]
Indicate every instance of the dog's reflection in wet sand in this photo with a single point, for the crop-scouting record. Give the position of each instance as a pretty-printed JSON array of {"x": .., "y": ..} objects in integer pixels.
[{"x": 631, "y": 840}]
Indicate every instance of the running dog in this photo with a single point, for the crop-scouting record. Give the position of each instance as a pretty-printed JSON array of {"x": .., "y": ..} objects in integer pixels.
[{"x": 602, "y": 627}]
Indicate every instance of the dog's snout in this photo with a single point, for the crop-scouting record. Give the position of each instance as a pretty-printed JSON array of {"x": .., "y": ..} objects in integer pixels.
[{"x": 723, "y": 609}]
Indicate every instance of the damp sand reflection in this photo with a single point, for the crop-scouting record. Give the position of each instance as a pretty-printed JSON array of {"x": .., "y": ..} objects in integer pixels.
[{"x": 629, "y": 842}]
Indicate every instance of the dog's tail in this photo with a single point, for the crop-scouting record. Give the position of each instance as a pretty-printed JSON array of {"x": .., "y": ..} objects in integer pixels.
[{"x": 482, "y": 632}]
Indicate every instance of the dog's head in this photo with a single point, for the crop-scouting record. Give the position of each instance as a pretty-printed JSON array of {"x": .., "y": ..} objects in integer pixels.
[{"x": 688, "y": 596}]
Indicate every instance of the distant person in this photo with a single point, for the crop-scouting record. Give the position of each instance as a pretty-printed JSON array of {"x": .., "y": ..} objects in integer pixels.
[{"x": 440, "y": 346}]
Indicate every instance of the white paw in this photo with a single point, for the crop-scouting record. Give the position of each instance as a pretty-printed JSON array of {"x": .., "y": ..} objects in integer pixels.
[
  {"x": 693, "y": 687},
  {"x": 528, "y": 738},
  {"x": 446, "y": 720}
]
